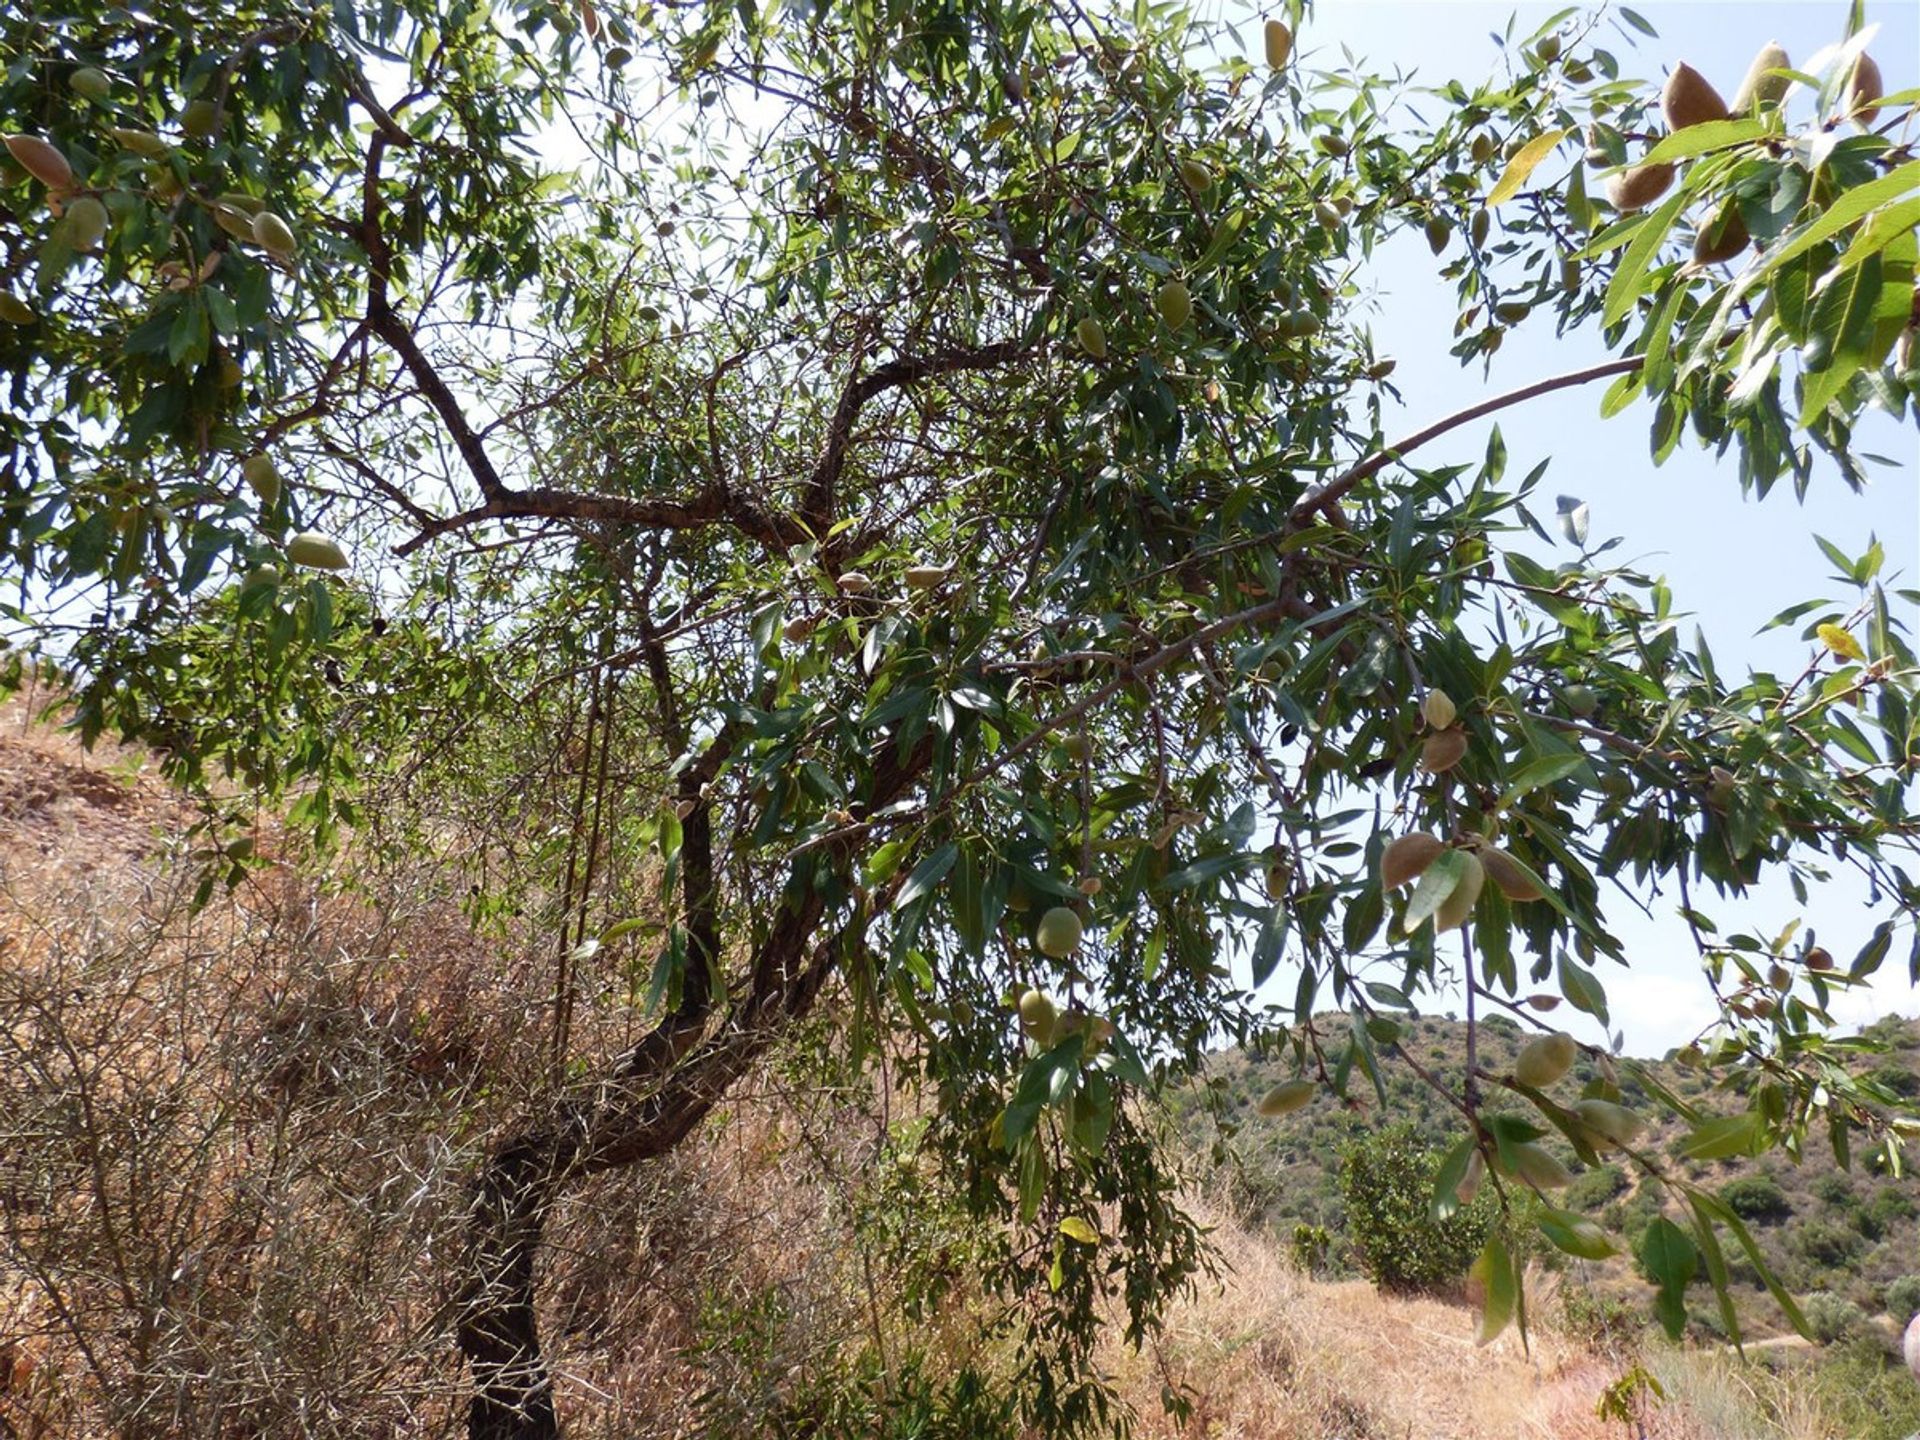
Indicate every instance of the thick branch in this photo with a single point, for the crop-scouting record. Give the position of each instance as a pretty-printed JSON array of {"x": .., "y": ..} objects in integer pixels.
[
  {"x": 1329, "y": 495},
  {"x": 817, "y": 506},
  {"x": 651, "y": 1100}
]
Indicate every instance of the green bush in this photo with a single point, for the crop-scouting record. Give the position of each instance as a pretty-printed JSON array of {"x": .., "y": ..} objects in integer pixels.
[
  {"x": 1890, "y": 1204},
  {"x": 1825, "y": 1243},
  {"x": 1590, "y": 1191},
  {"x": 1386, "y": 1179},
  {"x": 1902, "y": 1297},
  {"x": 1832, "y": 1317},
  {"x": 1602, "y": 1321},
  {"x": 1865, "y": 1394},
  {"x": 1309, "y": 1246},
  {"x": 1833, "y": 1188},
  {"x": 1756, "y": 1197}
]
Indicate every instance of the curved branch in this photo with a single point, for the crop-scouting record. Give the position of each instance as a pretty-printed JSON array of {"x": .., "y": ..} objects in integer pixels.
[
  {"x": 1329, "y": 494},
  {"x": 817, "y": 505}
]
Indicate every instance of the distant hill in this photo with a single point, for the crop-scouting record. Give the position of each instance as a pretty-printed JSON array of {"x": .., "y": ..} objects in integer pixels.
[{"x": 1853, "y": 1235}]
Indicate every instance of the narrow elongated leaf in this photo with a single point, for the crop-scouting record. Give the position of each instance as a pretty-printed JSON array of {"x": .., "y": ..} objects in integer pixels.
[
  {"x": 1856, "y": 203},
  {"x": 1723, "y": 1138},
  {"x": 1434, "y": 887},
  {"x": 1523, "y": 164},
  {"x": 1631, "y": 278},
  {"x": 927, "y": 874},
  {"x": 1492, "y": 1274},
  {"x": 1703, "y": 139}
]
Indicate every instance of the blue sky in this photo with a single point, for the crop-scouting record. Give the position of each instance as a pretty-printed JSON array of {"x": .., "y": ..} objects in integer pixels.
[{"x": 1732, "y": 562}]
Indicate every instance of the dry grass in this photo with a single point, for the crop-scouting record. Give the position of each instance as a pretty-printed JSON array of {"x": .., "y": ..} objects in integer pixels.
[
  {"x": 1272, "y": 1353},
  {"x": 235, "y": 1149}
]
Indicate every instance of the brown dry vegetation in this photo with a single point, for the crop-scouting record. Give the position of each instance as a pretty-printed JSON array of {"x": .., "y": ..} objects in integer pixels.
[{"x": 235, "y": 1146}]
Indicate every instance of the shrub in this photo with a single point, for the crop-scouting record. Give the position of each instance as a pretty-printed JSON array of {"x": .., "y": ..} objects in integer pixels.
[
  {"x": 1889, "y": 1204},
  {"x": 1825, "y": 1243},
  {"x": 1387, "y": 1181},
  {"x": 1756, "y": 1197},
  {"x": 1902, "y": 1297},
  {"x": 1600, "y": 1321},
  {"x": 1833, "y": 1188},
  {"x": 1863, "y": 1393},
  {"x": 1832, "y": 1317},
  {"x": 1590, "y": 1191},
  {"x": 1308, "y": 1246}
]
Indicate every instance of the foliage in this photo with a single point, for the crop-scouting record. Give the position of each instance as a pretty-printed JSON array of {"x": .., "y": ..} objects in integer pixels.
[
  {"x": 1756, "y": 1197},
  {"x": 1285, "y": 1175},
  {"x": 951, "y": 453},
  {"x": 1869, "y": 1392},
  {"x": 1833, "y": 1317},
  {"x": 1309, "y": 1247},
  {"x": 1593, "y": 1188},
  {"x": 1387, "y": 1181},
  {"x": 1902, "y": 1298}
]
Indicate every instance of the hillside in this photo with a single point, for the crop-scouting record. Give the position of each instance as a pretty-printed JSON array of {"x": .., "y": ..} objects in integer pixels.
[{"x": 1850, "y": 1234}]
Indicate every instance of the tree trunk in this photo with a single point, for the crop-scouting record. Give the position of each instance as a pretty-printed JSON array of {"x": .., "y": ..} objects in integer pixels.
[
  {"x": 512, "y": 1394},
  {"x": 653, "y": 1099}
]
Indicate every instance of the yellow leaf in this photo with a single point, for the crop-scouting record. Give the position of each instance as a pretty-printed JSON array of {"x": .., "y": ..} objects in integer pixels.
[
  {"x": 1074, "y": 1228},
  {"x": 1522, "y": 165},
  {"x": 1841, "y": 642}
]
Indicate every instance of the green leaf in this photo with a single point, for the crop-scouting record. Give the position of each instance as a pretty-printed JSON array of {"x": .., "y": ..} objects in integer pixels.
[
  {"x": 1446, "y": 1183},
  {"x": 1724, "y": 1137},
  {"x": 927, "y": 874},
  {"x": 1434, "y": 887},
  {"x": 1499, "y": 1290},
  {"x": 1670, "y": 1259},
  {"x": 1631, "y": 277},
  {"x": 1668, "y": 1254},
  {"x": 1713, "y": 1205},
  {"x": 1843, "y": 316},
  {"x": 1575, "y": 1234},
  {"x": 1582, "y": 989},
  {"x": 1857, "y": 202},
  {"x": 1703, "y": 139},
  {"x": 1540, "y": 770}
]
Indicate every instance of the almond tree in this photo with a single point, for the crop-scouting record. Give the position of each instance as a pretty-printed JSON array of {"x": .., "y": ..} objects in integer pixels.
[{"x": 961, "y": 423}]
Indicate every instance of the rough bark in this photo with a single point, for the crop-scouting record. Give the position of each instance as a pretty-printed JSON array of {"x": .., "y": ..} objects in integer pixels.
[{"x": 651, "y": 1100}]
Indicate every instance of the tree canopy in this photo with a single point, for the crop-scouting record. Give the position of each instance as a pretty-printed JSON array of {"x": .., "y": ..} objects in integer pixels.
[{"x": 942, "y": 451}]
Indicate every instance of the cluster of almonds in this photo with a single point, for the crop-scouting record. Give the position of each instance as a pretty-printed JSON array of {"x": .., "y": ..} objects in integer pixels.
[
  {"x": 1544, "y": 1061},
  {"x": 83, "y": 216},
  {"x": 1411, "y": 856},
  {"x": 1446, "y": 747},
  {"x": 1689, "y": 99},
  {"x": 1173, "y": 300}
]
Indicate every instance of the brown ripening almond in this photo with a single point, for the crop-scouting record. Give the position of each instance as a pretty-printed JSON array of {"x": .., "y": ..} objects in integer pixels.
[
  {"x": 1443, "y": 750},
  {"x": 41, "y": 160},
  {"x": 1721, "y": 238},
  {"x": 1639, "y": 187},
  {"x": 1760, "y": 86},
  {"x": 1864, "y": 89},
  {"x": 1407, "y": 859},
  {"x": 1514, "y": 883},
  {"x": 1689, "y": 99}
]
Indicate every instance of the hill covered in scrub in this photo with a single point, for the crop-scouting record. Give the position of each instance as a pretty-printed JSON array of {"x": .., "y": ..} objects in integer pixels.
[{"x": 1847, "y": 1241}]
